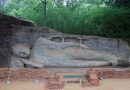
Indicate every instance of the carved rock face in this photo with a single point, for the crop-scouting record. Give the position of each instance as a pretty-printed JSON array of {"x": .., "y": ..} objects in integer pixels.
[
  {"x": 65, "y": 54},
  {"x": 16, "y": 62},
  {"x": 68, "y": 54},
  {"x": 21, "y": 50}
]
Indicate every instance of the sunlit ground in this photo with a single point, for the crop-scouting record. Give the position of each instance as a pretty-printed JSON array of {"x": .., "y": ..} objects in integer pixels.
[{"x": 110, "y": 84}]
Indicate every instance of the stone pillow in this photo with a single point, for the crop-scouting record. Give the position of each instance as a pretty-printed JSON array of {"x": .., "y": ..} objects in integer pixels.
[{"x": 21, "y": 50}]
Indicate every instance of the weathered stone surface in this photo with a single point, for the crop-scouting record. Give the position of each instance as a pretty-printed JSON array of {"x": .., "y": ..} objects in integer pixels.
[
  {"x": 16, "y": 62},
  {"x": 68, "y": 54},
  {"x": 32, "y": 64},
  {"x": 21, "y": 50},
  {"x": 30, "y": 34}
]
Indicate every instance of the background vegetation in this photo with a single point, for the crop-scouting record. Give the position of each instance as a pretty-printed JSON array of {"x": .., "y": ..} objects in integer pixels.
[{"x": 108, "y": 18}]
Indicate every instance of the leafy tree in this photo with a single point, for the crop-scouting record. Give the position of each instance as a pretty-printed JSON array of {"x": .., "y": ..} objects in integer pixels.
[{"x": 85, "y": 17}]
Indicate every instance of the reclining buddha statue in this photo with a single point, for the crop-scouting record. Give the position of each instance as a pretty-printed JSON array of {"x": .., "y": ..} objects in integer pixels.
[{"x": 46, "y": 53}]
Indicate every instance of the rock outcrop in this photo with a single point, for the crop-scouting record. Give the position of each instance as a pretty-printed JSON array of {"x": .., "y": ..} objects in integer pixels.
[
  {"x": 65, "y": 54},
  {"x": 7, "y": 24},
  {"x": 69, "y": 54}
]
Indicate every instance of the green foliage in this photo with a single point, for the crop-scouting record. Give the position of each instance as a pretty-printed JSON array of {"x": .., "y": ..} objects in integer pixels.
[
  {"x": 87, "y": 17},
  {"x": 93, "y": 20},
  {"x": 114, "y": 22},
  {"x": 2, "y": 9},
  {"x": 93, "y": 1},
  {"x": 28, "y": 9}
]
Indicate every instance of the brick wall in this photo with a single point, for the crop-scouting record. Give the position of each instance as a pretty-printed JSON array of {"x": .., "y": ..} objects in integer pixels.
[{"x": 23, "y": 74}]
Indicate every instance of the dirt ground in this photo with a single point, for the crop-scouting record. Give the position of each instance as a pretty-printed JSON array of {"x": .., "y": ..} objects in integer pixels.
[{"x": 108, "y": 84}]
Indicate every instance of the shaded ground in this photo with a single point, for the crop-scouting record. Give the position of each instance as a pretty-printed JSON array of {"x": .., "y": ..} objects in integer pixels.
[{"x": 110, "y": 84}]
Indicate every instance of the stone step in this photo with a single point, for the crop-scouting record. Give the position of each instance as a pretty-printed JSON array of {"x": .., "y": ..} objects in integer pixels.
[{"x": 73, "y": 78}]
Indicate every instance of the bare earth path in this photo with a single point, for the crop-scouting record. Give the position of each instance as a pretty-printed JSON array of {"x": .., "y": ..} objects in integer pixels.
[{"x": 109, "y": 84}]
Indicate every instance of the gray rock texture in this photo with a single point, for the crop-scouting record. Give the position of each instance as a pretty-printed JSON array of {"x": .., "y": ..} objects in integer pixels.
[
  {"x": 69, "y": 54},
  {"x": 21, "y": 50},
  {"x": 31, "y": 34},
  {"x": 16, "y": 62}
]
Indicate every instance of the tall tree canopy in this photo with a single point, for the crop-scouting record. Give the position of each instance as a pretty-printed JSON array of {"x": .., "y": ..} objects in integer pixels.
[{"x": 108, "y": 18}]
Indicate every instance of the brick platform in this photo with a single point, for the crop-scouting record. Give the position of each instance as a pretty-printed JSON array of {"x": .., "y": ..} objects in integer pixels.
[
  {"x": 91, "y": 79},
  {"x": 94, "y": 75},
  {"x": 106, "y": 74},
  {"x": 23, "y": 74},
  {"x": 54, "y": 83}
]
